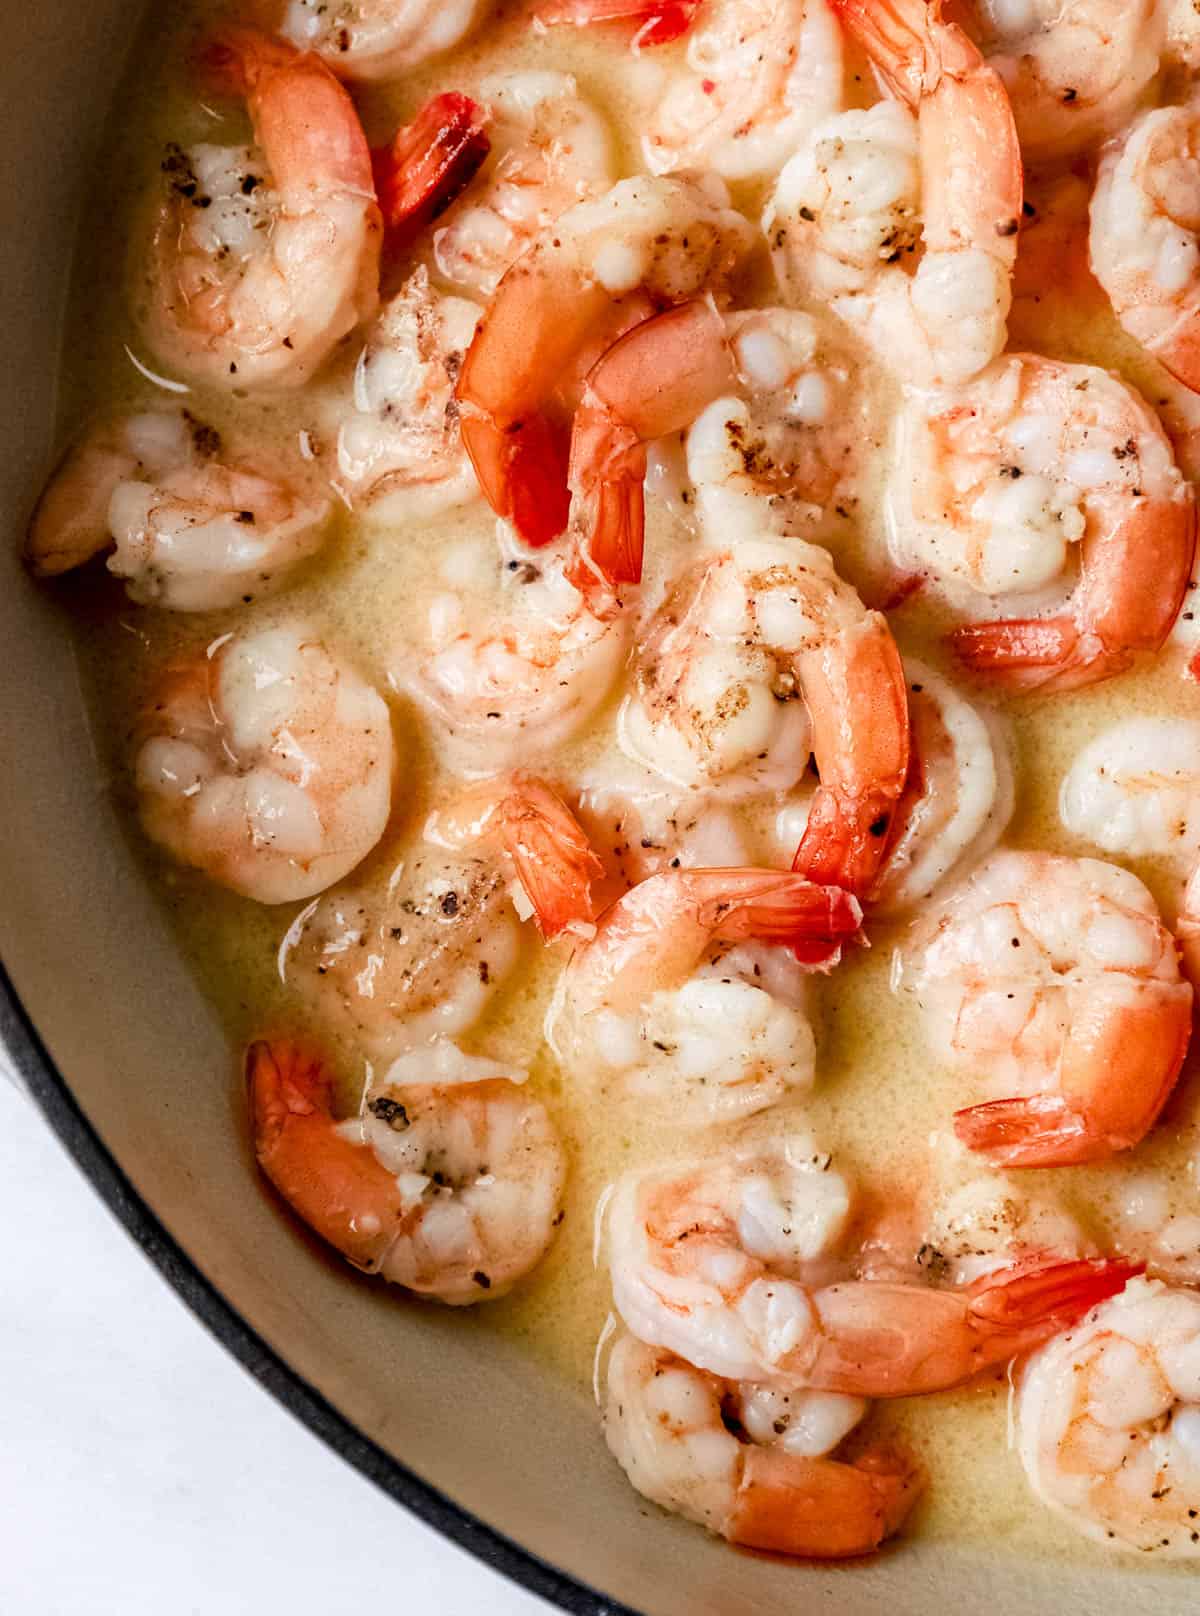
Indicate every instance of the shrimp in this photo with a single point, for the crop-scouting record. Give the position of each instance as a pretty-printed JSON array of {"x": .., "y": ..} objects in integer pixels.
[
  {"x": 1144, "y": 239},
  {"x": 448, "y": 1182},
  {"x": 504, "y": 689},
  {"x": 188, "y": 531},
  {"x": 692, "y": 1443},
  {"x": 1056, "y": 977},
  {"x": 416, "y": 962},
  {"x": 654, "y": 1001},
  {"x": 937, "y": 168},
  {"x": 538, "y": 837},
  {"x": 1075, "y": 70},
  {"x": 399, "y": 452},
  {"x": 958, "y": 798},
  {"x": 649, "y": 240},
  {"x": 999, "y": 479},
  {"x": 1108, "y": 1422},
  {"x": 717, "y": 683},
  {"x": 377, "y": 39},
  {"x": 267, "y": 763},
  {"x": 262, "y": 259},
  {"x": 759, "y": 74},
  {"x": 641, "y": 825},
  {"x": 550, "y": 150},
  {"x": 727, "y": 1262},
  {"x": 1182, "y": 49}
]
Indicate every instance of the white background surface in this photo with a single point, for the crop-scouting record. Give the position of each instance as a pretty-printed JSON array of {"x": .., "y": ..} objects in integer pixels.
[{"x": 142, "y": 1471}]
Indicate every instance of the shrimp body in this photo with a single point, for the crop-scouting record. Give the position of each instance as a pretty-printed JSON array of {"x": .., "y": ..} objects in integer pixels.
[
  {"x": 759, "y": 74},
  {"x": 188, "y": 531},
  {"x": 730, "y": 1262},
  {"x": 939, "y": 167},
  {"x": 653, "y": 1001},
  {"x": 1075, "y": 70},
  {"x": 670, "y": 1428},
  {"x": 267, "y": 764},
  {"x": 504, "y": 690},
  {"x": 263, "y": 259},
  {"x": 1108, "y": 1422},
  {"x": 1055, "y": 977},
  {"x": 718, "y": 682},
  {"x": 377, "y": 39},
  {"x": 399, "y": 453},
  {"x": 550, "y": 149},
  {"x": 448, "y": 1182},
  {"x": 1144, "y": 240}
]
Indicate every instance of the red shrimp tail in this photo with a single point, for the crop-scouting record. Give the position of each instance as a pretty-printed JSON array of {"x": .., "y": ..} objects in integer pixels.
[
  {"x": 790, "y": 909},
  {"x": 844, "y": 843},
  {"x": 608, "y": 467},
  {"x": 660, "y": 21},
  {"x": 1037, "y": 1131},
  {"x": 554, "y": 859},
  {"x": 1037, "y": 1298},
  {"x": 897, "y": 36},
  {"x": 1193, "y": 667},
  {"x": 429, "y": 163},
  {"x": 820, "y": 1508},
  {"x": 284, "y": 1080},
  {"x": 522, "y": 470},
  {"x": 1039, "y": 653}
]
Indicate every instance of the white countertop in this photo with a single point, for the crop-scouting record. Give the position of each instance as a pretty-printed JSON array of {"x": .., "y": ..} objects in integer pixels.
[{"x": 121, "y": 1491}]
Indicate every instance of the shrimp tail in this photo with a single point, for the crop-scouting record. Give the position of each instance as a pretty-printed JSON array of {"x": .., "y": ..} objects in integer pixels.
[
  {"x": 428, "y": 163},
  {"x": 660, "y": 21},
  {"x": 1039, "y": 653},
  {"x": 522, "y": 470},
  {"x": 822, "y": 1509},
  {"x": 1041, "y": 1130},
  {"x": 777, "y": 907},
  {"x": 1016, "y": 1308},
  {"x": 553, "y": 858},
  {"x": 337, "y": 1187}
]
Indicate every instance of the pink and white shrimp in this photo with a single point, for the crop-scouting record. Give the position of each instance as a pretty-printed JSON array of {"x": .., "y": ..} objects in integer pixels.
[
  {"x": 448, "y": 1182},
  {"x": 263, "y": 258},
  {"x": 657, "y": 1003},
  {"x": 1056, "y": 981},
  {"x": 376, "y": 39},
  {"x": 191, "y": 527}
]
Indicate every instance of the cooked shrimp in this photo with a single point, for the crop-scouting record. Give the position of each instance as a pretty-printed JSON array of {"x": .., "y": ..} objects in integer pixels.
[
  {"x": 759, "y": 74},
  {"x": 1054, "y": 977},
  {"x": 1182, "y": 49},
  {"x": 648, "y": 238},
  {"x": 1144, "y": 241},
  {"x": 416, "y": 961},
  {"x": 377, "y": 39},
  {"x": 1108, "y": 1422},
  {"x": 682, "y": 1438},
  {"x": 716, "y": 698},
  {"x": 266, "y": 763},
  {"x": 654, "y": 1002},
  {"x": 537, "y": 836},
  {"x": 515, "y": 687},
  {"x": 728, "y": 1261},
  {"x": 1075, "y": 70},
  {"x": 264, "y": 258},
  {"x": 448, "y": 1182},
  {"x": 957, "y": 800},
  {"x": 641, "y": 825},
  {"x": 550, "y": 150},
  {"x": 188, "y": 531},
  {"x": 999, "y": 479},
  {"x": 937, "y": 168}
]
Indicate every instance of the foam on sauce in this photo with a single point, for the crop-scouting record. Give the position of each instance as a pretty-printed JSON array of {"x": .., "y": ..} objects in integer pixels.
[{"x": 879, "y": 1103}]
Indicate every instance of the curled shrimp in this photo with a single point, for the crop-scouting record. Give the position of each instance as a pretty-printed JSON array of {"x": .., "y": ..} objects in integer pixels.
[
  {"x": 728, "y": 1262},
  {"x": 399, "y": 452},
  {"x": 1054, "y": 977},
  {"x": 717, "y": 687},
  {"x": 1143, "y": 242},
  {"x": 636, "y": 1003},
  {"x": 515, "y": 686},
  {"x": 1108, "y": 1422},
  {"x": 377, "y": 39},
  {"x": 448, "y": 1182},
  {"x": 1075, "y": 70},
  {"x": 759, "y": 74},
  {"x": 190, "y": 529},
  {"x": 647, "y": 241},
  {"x": 1003, "y": 476},
  {"x": 264, "y": 258},
  {"x": 266, "y": 763},
  {"x": 550, "y": 149},
  {"x": 937, "y": 168},
  {"x": 681, "y": 1437}
]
